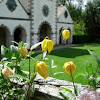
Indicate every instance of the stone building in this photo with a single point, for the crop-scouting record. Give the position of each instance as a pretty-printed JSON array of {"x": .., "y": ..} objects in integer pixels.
[{"x": 31, "y": 20}]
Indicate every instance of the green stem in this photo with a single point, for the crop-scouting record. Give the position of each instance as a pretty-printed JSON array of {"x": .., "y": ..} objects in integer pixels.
[
  {"x": 73, "y": 81},
  {"x": 29, "y": 68},
  {"x": 3, "y": 64},
  {"x": 96, "y": 70},
  {"x": 16, "y": 66}
]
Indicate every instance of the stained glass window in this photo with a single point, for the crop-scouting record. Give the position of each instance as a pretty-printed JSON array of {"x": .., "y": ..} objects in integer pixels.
[
  {"x": 45, "y": 10},
  {"x": 65, "y": 14},
  {"x": 11, "y": 4}
]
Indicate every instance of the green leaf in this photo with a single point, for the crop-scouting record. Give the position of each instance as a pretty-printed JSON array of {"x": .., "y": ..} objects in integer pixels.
[
  {"x": 95, "y": 57},
  {"x": 44, "y": 55},
  {"x": 15, "y": 42},
  {"x": 6, "y": 64},
  {"x": 4, "y": 59},
  {"x": 3, "y": 50},
  {"x": 31, "y": 53},
  {"x": 97, "y": 80},
  {"x": 32, "y": 90},
  {"x": 79, "y": 74},
  {"x": 9, "y": 54},
  {"x": 64, "y": 96},
  {"x": 25, "y": 45},
  {"x": 89, "y": 69},
  {"x": 77, "y": 89},
  {"x": 66, "y": 89},
  {"x": 57, "y": 73},
  {"x": 13, "y": 48},
  {"x": 52, "y": 64},
  {"x": 68, "y": 96},
  {"x": 19, "y": 71},
  {"x": 19, "y": 76}
]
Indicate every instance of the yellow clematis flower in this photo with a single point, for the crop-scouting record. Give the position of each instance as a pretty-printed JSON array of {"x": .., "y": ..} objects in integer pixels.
[
  {"x": 23, "y": 52},
  {"x": 44, "y": 45},
  {"x": 47, "y": 45},
  {"x": 6, "y": 72},
  {"x": 69, "y": 67},
  {"x": 41, "y": 68},
  {"x": 65, "y": 34}
]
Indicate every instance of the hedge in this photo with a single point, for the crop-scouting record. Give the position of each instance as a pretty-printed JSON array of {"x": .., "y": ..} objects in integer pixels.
[{"x": 80, "y": 39}]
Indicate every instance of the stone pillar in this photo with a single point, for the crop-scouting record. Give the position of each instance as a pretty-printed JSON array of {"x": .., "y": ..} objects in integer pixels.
[
  {"x": 10, "y": 38},
  {"x": 35, "y": 39},
  {"x": 54, "y": 38}
]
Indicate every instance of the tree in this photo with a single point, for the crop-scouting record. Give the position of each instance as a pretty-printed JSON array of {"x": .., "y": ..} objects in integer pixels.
[
  {"x": 75, "y": 12},
  {"x": 62, "y": 2},
  {"x": 92, "y": 17}
]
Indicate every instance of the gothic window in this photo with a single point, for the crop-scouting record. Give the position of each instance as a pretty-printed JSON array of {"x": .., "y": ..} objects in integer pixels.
[
  {"x": 65, "y": 14},
  {"x": 45, "y": 10},
  {"x": 11, "y": 4}
]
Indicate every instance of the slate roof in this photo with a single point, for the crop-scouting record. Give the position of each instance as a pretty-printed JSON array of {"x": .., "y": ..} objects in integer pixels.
[
  {"x": 60, "y": 10},
  {"x": 26, "y": 5}
]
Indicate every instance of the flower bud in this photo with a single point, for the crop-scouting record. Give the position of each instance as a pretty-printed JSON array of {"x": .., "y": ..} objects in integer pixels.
[
  {"x": 6, "y": 72},
  {"x": 65, "y": 34},
  {"x": 69, "y": 67},
  {"x": 41, "y": 68},
  {"x": 47, "y": 45},
  {"x": 23, "y": 52}
]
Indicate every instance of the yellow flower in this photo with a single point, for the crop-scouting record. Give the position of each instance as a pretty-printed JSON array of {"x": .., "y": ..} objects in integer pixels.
[
  {"x": 6, "y": 72},
  {"x": 69, "y": 67},
  {"x": 23, "y": 52},
  {"x": 41, "y": 68},
  {"x": 65, "y": 34},
  {"x": 47, "y": 45},
  {"x": 44, "y": 45}
]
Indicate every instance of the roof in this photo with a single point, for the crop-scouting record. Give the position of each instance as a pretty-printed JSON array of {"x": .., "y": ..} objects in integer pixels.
[
  {"x": 26, "y": 5},
  {"x": 60, "y": 10}
]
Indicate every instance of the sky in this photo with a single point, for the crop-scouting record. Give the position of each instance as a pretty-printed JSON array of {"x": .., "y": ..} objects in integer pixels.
[{"x": 77, "y": 3}]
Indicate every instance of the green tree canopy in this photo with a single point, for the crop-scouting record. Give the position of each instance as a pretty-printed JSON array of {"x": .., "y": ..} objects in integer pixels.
[{"x": 92, "y": 17}]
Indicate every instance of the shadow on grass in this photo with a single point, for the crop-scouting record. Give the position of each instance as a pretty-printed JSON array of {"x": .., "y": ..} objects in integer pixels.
[{"x": 69, "y": 52}]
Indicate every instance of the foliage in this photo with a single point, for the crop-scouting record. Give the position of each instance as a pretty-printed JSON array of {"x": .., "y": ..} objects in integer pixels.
[
  {"x": 79, "y": 28},
  {"x": 75, "y": 12},
  {"x": 61, "y": 2},
  {"x": 18, "y": 85},
  {"x": 68, "y": 94},
  {"x": 92, "y": 17},
  {"x": 8, "y": 88},
  {"x": 93, "y": 77},
  {"x": 88, "y": 38},
  {"x": 14, "y": 82}
]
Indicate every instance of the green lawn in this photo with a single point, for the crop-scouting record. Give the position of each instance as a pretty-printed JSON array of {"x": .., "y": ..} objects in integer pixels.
[{"x": 79, "y": 55}]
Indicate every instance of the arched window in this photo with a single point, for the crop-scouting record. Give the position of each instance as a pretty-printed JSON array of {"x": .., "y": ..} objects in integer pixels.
[{"x": 19, "y": 35}]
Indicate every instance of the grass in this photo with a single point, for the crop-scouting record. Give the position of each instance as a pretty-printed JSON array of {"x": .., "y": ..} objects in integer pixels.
[{"x": 79, "y": 55}]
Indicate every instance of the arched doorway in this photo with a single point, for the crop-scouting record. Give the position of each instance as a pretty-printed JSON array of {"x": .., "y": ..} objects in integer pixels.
[
  {"x": 19, "y": 35},
  {"x": 45, "y": 30},
  {"x": 4, "y": 36}
]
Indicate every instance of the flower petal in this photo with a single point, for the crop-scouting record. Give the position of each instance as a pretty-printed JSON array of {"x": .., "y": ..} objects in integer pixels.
[
  {"x": 50, "y": 45},
  {"x": 44, "y": 45}
]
